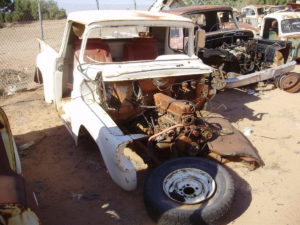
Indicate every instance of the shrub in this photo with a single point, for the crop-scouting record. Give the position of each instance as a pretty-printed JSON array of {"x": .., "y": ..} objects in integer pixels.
[
  {"x": 8, "y": 17},
  {"x": 25, "y": 10},
  {"x": 2, "y": 18}
]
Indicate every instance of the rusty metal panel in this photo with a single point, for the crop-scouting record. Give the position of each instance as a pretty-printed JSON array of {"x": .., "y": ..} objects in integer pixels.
[
  {"x": 232, "y": 143},
  {"x": 198, "y": 8}
]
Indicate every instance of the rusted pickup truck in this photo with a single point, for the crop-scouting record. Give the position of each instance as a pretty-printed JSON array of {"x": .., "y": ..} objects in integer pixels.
[
  {"x": 285, "y": 26},
  {"x": 117, "y": 78},
  {"x": 237, "y": 56}
]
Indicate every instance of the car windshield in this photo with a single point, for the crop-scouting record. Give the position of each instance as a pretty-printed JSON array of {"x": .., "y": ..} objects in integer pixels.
[
  {"x": 214, "y": 21},
  {"x": 290, "y": 25},
  {"x": 260, "y": 11},
  {"x": 116, "y": 32}
]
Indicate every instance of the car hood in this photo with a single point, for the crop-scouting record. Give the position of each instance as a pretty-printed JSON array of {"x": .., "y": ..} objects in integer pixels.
[
  {"x": 230, "y": 32},
  {"x": 291, "y": 36},
  {"x": 162, "y": 66}
]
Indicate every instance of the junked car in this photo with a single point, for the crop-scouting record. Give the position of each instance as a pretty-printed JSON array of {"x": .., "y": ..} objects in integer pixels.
[
  {"x": 18, "y": 204},
  {"x": 117, "y": 78},
  {"x": 279, "y": 8},
  {"x": 237, "y": 56},
  {"x": 285, "y": 26},
  {"x": 254, "y": 14},
  {"x": 295, "y": 6}
]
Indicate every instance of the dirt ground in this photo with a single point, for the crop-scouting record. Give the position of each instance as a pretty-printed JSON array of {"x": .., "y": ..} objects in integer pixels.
[{"x": 73, "y": 186}]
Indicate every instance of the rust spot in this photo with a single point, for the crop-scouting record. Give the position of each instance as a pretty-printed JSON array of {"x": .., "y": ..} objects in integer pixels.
[
  {"x": 234, "y": 147},
  {"x": 146, "y": 15},
  {"x": 293, "y": 36},
  {"x": 198, "y": 8},
  {"x": 167, "y": 103}
]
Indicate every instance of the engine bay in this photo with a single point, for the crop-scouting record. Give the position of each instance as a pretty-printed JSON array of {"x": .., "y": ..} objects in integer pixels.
[
  {"x": 170, "y": 112},
  {"x": 237, "y": 54},
  {"x": 167, "y": 110}
]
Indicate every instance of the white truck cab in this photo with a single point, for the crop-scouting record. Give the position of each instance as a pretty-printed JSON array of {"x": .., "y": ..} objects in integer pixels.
[
  {"x": 101, "y": 48},
  {"x": 283, "y": 26}
]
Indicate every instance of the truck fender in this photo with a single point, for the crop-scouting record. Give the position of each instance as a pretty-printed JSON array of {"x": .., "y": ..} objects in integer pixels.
[{"x": 111, "y": 146}]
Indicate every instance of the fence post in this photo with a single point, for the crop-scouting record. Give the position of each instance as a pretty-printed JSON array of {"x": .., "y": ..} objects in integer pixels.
[
  {"x": 41, "y": 20},
  {"x": 97, "y": 2}
]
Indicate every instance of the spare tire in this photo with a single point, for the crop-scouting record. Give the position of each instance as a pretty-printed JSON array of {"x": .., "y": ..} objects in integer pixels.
[{"x": 188, "y": 191}]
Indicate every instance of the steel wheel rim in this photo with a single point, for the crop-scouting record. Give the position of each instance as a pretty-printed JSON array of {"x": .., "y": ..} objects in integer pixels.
[
  {"x": 289, "y": 81},
  {"x": 189, "y": 186}
]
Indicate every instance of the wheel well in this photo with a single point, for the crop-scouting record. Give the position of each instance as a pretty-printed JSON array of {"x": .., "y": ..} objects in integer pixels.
[{"x": 85, "y": 139}]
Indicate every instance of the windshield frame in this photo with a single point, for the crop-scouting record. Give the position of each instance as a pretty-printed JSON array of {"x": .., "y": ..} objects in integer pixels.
[
  {"x": 231, "y": 14},
  {"x": 167, "y": 24}
]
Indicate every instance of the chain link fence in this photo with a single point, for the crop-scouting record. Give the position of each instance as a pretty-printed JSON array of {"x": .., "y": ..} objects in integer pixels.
[
  {"x": 18, "y": 50},
  {"x": 19, "y": 47}
]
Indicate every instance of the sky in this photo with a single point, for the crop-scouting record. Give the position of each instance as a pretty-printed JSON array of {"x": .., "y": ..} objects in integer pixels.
[{"x": 76, "y": 5}]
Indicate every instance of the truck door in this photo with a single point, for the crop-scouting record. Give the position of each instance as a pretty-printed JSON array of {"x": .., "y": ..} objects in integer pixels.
[{"x": 49, "y": 68}]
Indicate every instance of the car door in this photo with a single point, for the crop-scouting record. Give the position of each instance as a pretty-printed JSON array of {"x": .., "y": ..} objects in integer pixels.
[
  {"x": 18, "y": 204},
  {"x": 50, "y": 69},
  {"x": 8, "y": 145}
]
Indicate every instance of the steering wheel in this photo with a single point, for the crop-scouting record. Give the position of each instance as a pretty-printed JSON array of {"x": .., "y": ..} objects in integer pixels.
[{"x": 221, "y": 26}]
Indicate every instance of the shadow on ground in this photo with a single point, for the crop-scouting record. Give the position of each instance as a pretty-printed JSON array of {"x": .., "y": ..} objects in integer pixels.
[
  {"x": 232, "y": 105},
  {"x": 241, "y": 202},
  {"x": 73, "y": 185}
]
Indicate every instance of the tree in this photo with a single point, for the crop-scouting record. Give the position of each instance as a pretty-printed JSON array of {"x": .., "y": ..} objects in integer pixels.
[
  {"x": 22, "y": 10},
  {"x": 34, "y": 10},
  {"x": 50, "y": 10},
  {"x": 25, "y": 10}
]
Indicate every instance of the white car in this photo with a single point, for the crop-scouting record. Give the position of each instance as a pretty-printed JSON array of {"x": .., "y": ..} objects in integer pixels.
[
  {"x": 283, "y": 26},
  {"x": 254, "y": 14}
]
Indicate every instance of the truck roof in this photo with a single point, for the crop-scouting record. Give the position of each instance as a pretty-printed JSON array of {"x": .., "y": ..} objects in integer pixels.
[
  {"x": 198, "y": 8},
  {"x": 283, "y": 15},
  {"x": 95, "y": 16},
  {"x": 258, "y": 6}
]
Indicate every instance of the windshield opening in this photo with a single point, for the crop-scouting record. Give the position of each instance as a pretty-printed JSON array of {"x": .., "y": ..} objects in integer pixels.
[
  {"x": 129, "y": 43},
  {"x": 290, "y": 25},
  {"x": 214, "y": 21},
  {"x": 260, "y": 11}
]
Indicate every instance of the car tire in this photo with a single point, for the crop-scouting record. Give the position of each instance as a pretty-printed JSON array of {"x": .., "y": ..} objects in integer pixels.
[{"x": 183, "y": 176}]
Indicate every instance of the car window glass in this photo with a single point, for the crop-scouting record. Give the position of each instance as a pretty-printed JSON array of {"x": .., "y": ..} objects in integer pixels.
[
  {"x": 176, "y": 38},
  {"x": 290, "y": 25}
]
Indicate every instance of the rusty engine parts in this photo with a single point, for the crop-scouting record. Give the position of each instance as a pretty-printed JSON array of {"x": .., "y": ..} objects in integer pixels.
[
  {"x": 243, "y": 56},
  {"x": 182, "y": 131},
  {"x": 168, "y": 111}
]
